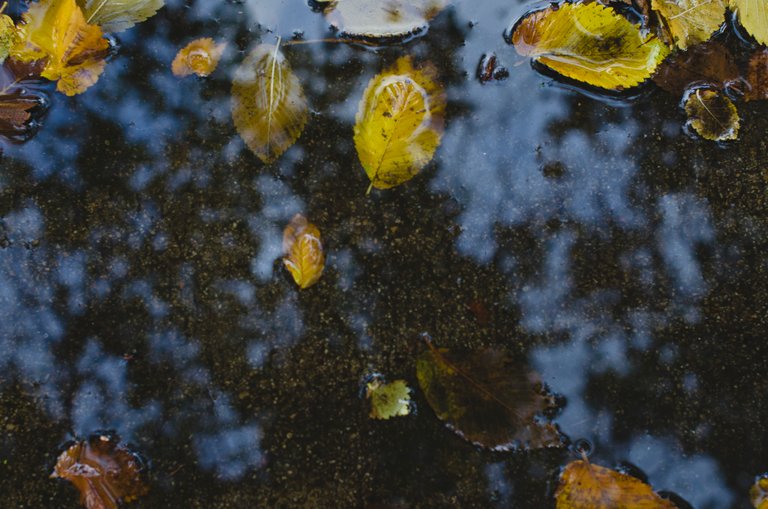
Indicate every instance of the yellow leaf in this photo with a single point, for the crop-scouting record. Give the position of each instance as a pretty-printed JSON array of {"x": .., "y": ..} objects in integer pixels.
[
  {"x": 590, "y": 43},
  {"x": 200, "y": 57},
  {"x": 753, "y": 16},
  {"x": 8, "y": 34},
  {"x": 303, "y": 250},
  {"x": 711, "y": 114},
  {"x": 56, "y": 30},
  {"x": 268, "y": 104},
  {"x": 586, "y": 486},
  {"x": 388, "y": 399},
  {"x": 690, "y": 22},
  {"x": 758, "y": 493},
  {"x": 399, "y": 123},
  {"x": 118, "y": 15},
  {"x": 382, "y": 19}
]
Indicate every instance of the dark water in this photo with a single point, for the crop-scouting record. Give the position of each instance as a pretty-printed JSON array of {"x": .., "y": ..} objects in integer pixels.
[{"x": 141, "y": 287}]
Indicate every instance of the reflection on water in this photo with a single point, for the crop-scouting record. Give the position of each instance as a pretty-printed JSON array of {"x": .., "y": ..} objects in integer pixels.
[{"x": 142, "y": 290}]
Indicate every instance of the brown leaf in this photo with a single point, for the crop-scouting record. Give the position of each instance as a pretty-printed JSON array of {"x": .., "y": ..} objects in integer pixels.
[
  {"x": 303, "y": 250},
  {"x": 21, "y": 104},
  {"x": 710, "y": 63},
  {"x": 757, "y": 76}
]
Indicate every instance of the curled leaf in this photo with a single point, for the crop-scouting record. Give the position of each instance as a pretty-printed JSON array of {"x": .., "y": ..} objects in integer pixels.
[
  {"x": 590, "y": 43},
  {"x": 105, "y": 472},
  {"x": 690, "y": 22},
  {"x": 587, "y": 486},
  {"x": 388, "y": 399},
  {"x": 488, "y": 398},
  {"x": 382, "y": 19},
  {"x": 711, "y": 114},
  {"x": 73, "y": 50},
  {"x": 753, "y": 16},
  {"x": 119, "y": 15},
  {"x": 399, "y": 123},
  {"x": 268, "y": 104},
  {"x": 758, "y": 493},
  {"x": 303, "y": 250},
  {"x": 200, "y": 57}
]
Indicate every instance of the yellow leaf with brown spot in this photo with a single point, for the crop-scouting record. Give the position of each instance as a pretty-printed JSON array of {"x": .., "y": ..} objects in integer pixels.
[
  {"x": 690, "y": 22},
  {"x": 587, "y": 486},
  {"x": 200, "y": 57},
  {"x": 590, "y": 43},
  {"x": 399, "y": 123},
  {"x": 303, "y": 250},
  {"x": 74, "y": 51},
  {"x": 711, "y": 114},
  {"x": 753, "y": 16}
]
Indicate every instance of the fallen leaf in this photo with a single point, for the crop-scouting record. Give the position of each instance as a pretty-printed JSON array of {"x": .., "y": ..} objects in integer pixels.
[
  {"x": 690, "y": 22},
  {"x": 105, "y": 472},
  {"x": 399, "y": 123},
  {"x": 382, "y": 19},
  {"x": 590, "y": 43},
  {"x": 119, "y": 15},
  {"x": 22, "y": 102},
  {"x": 8, "y": 34},
  {"x": 709, "y": 63},
  {"x": 758, "y": 493},
  {"x": 757, "y": 76},
  {"x": 303, "y": 250},
  {"x": 268, "y": 104},
  {"x": 388, "y": 399},
  {"x": 587, "y": 486},
  {"x": 200, "y": 57},
  {"x": 74, "y": 51},
  {"x": 489, "y": 69},
  {"x": 711, "y": 114},
  {"x": 488, "y": 398},
  {"x": 753, "y": 16}
]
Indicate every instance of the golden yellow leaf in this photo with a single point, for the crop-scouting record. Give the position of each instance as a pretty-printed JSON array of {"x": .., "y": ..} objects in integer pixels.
[
  {"x": 711, "y": 114},
  {"x": 753, "y": 16},
  {"x": 399, "y": 123},
  {"x": 268, "y": 104},
  {"x": 758, "y": 493},
  {"x": 303, "y": 250},
  {"x": 200, "y": 57},
  {"x": 388, "y": 399},
  {"x": 590, "y": 43},
  {"x": 586, "y": 486},
  {"x": 56, "y": 30},
  {"x": 690, "y": 22},
  {"x": 118, "y": 15}
]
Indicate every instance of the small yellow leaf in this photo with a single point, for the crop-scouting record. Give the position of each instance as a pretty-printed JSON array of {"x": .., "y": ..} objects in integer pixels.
[
  {"x": 590, "y": 43},
  {"x": 118, "y": 15},
  {"x": 200, "y": 57},
  {"x": 690, "y": 22},
  {"x": 56, "y": 30},
  {"x": 711, "y": 114},
  {"x": 268, "y": 104},
  {"x": 8, "y": 35},
  {"x": 586, "y": 486},
  {"x": 303, "y": 250},
  {"x": 399, "y": 123},
  {"x": 388, "y": 399},
  {"x": 758, "y": 493},
  {"x": 753, "y": 16}
]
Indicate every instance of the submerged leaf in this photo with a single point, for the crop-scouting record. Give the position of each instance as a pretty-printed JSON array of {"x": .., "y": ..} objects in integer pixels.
[
  {"x": 22, "y": 105},
  {"x": 757, "y": 76},
  {"x": 200, "y": 57},
  {"x": 586, "y": 486},
  {"x": 399, "y": 123},
  {"x": 690, "y": 22},
  {"x": 74, "y": 51},
  {"x": 119, "y": 15},
  {"x": 753, "y": 16},
  {"x": 590, "y": 43},
  {"x": 303, "y": 250},
  {"x": 758, "y": 493},
  {"x": 105, "y": 472},
  {"x": 268, "y": 104},
  {"x": 710, "y": 63},
  {"x": 382, "y": 19},
  {"x": 711, "y": 114},
  {"x": 388, "y": 399},
  {"x": 488, "y": 398}
]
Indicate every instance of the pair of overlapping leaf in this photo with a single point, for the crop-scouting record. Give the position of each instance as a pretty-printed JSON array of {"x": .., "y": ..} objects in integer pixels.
[
  {"x": 68, "y": 37},
  {"x": 398, "y": 126}
]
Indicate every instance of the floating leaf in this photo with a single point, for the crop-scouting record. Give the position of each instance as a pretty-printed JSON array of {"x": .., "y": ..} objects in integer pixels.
[
  {"x": 587, "y": 486},
  {"x": 74, "y": 51},
  {"x": 382, "y": 19},
  {"x": 590, "y": 43},
  {"x": 757, "y": 76},
  {"x": 8, "y": 34},
  {"x": 753, "y": 16},
  {"x": 105, "y": 472},
  {"x": 21, "y": 104},
  {"x": 200, "y": 57},
  {"x": 690, "y": 22},
  {"x": 268, "y": 104},
  {"x": 758, "y": 493},
  {"x": 489, "y": 69},
  {"x": 399, "y": 123},
  {"x": 119, "y": 15},
  {"x": 488, "y": 398},
  {"x": 711, "y": 114},
  {"x": 710, "y": 63},
  {"x": 303, "y": 250},
  {"x": 388, "y": 399}
]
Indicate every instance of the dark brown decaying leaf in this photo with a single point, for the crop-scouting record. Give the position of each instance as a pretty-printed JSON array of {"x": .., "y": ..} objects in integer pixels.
[
  {"x": 710, "y": 63},
  {"x": 21, "y": 105},
  {"x": 488, "y": 398},
  {"x": 757, "y": 76}
]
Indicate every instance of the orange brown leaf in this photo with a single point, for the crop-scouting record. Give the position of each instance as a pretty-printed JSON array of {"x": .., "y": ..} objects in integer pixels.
[
  {"x": 200, "y": 57},
  {"x": 303, "y": 250}
]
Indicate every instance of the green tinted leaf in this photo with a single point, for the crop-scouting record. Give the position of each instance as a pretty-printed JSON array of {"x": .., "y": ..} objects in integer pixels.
[{"x": 388, "y": 399}]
